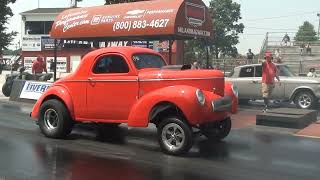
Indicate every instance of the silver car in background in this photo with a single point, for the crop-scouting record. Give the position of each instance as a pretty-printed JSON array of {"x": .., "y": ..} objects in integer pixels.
[{"x": 303, "y": 91}]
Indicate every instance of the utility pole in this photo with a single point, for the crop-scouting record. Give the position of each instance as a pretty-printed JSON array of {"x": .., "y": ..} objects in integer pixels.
[
  {"x": 38, "y": 3},
  {"x": 319, "y": 26}
]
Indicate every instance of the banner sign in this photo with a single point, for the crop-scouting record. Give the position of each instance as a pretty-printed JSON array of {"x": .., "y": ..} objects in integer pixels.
[
  {"x": 34, "y": 89},
  {"x": 144, "y": 44},
  {"x": 47, "y": 43},
  {"x": 152, "y": 19},
  {"x": 31, "y": 43}
]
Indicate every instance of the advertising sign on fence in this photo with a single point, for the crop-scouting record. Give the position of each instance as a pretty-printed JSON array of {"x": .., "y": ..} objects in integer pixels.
[{"x": 34, "y": 89}]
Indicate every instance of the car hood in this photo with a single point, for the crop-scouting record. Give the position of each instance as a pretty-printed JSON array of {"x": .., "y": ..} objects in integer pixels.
[{"x": 210, "y": 80}]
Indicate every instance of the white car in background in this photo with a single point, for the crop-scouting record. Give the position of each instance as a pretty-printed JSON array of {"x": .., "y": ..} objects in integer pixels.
[{"x": 303, "y": 91}]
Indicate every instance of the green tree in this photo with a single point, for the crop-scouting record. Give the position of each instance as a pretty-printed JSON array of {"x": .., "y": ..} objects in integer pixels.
[
  {"x": 306, "y": 32},
  {"x": 225, "y": 15},
  {"x": 5, "y": 13},
  {"x": 194, "y": 50}
]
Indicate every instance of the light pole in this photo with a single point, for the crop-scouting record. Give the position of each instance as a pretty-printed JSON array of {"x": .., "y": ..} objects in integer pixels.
[{"x": 318, "y": 26}]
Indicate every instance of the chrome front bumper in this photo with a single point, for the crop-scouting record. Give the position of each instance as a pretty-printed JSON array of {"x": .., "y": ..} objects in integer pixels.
[{"x": 222, "y": 104}]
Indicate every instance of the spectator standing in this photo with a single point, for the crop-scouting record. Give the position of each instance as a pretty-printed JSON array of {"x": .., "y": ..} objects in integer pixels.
[
  {"x": 286, "y": 39},
  {"x": 39, "y": 66},
  {"x": 269, "y": 72},
  {"x": 250, "y": 56},
  {"x": 195, "y": 65},
  {"x": 308, "y": 49},
  {"x": 52, "y": 65},
  {"x": 312, "y": 72},
  {"x": 277, "y": 54},
  {"x": 302, "y": 47}
]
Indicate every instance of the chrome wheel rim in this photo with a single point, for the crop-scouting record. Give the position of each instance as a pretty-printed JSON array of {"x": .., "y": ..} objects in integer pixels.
[
  {"x": 304, "y": 101},
  {"x": 173, "y": 136},
  {"x": 51, "y": 119}
]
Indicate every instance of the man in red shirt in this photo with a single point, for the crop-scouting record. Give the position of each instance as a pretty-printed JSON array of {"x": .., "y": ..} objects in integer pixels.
[
  {"x": 269, "y": 72},
  {"x": 39, "y": 66}
]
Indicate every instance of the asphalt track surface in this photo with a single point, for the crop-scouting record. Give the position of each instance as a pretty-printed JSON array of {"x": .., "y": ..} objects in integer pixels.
[{"x": 256, "y": 153}]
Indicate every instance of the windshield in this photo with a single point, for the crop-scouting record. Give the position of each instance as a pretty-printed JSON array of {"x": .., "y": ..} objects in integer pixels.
[
  {"x": 284, "y": 71},
  {"x": 142, "y": 61}
]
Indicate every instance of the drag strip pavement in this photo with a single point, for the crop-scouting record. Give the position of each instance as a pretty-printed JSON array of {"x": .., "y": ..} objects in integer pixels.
[{"x": 248, "y": 153}]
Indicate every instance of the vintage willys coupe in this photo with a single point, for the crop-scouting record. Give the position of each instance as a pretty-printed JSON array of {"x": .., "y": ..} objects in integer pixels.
[{"x": 131, "y": 85}]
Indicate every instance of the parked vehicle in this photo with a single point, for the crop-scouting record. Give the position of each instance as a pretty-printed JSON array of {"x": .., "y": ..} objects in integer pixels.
[
  {"x": 21, "y": 74},
  {"x": 303, "y": 91},
  {"x": 134, "y": 86}
]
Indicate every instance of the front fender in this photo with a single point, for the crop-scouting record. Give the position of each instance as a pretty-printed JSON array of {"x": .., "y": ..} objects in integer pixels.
[
  {"x": 229, "y": 92},
  {"x": 182, "y": 96},
  {"x": 54, "y": 92}
]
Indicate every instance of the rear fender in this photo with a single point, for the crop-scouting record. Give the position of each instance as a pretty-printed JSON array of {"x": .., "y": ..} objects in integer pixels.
[
  {"x": 182, "y": 96},
  {"x": 55, "y": 92}
]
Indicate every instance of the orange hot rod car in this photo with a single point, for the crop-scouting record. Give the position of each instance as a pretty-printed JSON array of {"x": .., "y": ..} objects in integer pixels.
[{"x": 135, "y": 86}]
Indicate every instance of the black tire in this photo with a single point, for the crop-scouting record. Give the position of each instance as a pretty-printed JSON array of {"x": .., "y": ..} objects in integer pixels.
[
  {"x": 305, "y": 100},
  {"x": 244, "y": 101},
  {"x": 57, "y": 123},
  {"x": 217, "y": 130},
  {"x": 183, "y": 134},
  {"x": 6, "y": 89}
]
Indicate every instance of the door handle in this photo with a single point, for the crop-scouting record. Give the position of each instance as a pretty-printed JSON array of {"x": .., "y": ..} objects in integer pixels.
[{"x": 92, "y": 83}]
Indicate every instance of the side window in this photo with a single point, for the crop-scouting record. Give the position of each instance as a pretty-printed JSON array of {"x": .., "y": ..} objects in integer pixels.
[
  {"x": 247, "y": 71},
  {"x": 258, "y": 72},
  {"x": 111, "y": 64}
]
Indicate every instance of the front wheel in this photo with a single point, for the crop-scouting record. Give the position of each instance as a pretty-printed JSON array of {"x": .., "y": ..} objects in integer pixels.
[
  {"x": 305, "y": 100},
  {"x": 54, "y": 119},
  {"x": 6, "y": 89},
  {"x": 174, "y": 136},
  {"x": 216, "y": 130}
]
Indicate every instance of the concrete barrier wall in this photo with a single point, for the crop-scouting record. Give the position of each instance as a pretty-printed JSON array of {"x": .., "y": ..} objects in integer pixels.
[{"x": 16, "y": 91}]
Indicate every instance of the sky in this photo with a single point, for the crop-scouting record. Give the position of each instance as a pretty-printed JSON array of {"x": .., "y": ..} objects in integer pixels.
[{"x": 258, "y": 16}]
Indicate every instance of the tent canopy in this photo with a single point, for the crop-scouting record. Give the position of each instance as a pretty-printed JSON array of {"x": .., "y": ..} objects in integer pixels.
[{"x": 145, "y": 20}]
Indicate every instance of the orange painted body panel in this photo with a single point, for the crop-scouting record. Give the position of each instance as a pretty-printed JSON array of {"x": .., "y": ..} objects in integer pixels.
[
  {"x": 129, "y": 97},
  {"x": 228, "y": 92},
  {"x": 58, "y": 92},
  {"x": 182, "y": 96}
]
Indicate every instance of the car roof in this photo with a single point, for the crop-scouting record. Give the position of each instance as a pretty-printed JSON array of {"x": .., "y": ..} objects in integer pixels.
[{"x": 122, "y": 50}]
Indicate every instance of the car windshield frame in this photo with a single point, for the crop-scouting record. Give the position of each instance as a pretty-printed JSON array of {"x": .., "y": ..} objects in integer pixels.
[
  {"x": 146, "y": 62},
  {"x": 285, "y": 71}
]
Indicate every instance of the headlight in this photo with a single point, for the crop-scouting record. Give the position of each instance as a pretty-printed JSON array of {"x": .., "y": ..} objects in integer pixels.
[
  {"x": 200, "y": 96},
  {"x": 235, "y": 90}
]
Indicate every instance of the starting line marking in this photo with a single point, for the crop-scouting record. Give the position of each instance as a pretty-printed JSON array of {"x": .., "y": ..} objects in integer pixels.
[{"x": 314, "y": 137}]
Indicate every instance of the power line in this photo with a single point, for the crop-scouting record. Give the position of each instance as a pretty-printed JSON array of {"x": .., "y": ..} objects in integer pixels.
[
  {"x": 277, "y": 17},
  {"x": 252, "y": 34},
  {"x": 270, "y": 28}
]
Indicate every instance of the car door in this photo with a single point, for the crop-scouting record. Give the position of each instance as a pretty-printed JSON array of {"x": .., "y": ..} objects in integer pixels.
[
  {"x": 247, "y": 83},
  {"x": 112, "y": 88},
  {"x": 280, "y": 87},
  {"x": 278, "y": 91}
]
